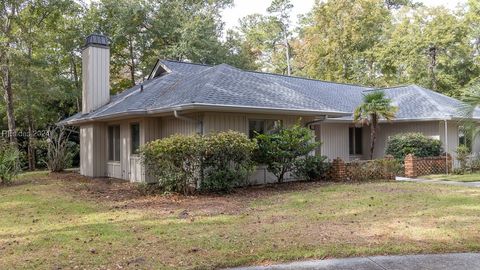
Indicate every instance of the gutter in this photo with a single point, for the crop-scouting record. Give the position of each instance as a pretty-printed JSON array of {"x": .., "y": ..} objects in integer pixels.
[
  {"x": 211, "y": 107},
  {"x": 309, "y": 124},
  {"x": 189, "y": 119}
]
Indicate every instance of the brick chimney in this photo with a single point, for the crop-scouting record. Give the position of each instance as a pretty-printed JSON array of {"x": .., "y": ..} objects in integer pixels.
[{"x": 95, "y": 73}]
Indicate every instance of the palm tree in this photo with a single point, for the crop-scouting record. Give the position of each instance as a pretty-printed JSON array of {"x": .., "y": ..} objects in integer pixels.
[{"x": 375, "y": 106}]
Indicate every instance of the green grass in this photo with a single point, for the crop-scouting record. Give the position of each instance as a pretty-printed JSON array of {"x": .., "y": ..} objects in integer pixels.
[
  {"x": 47, "y": 222},
  {"x": 471, "y": 177}
]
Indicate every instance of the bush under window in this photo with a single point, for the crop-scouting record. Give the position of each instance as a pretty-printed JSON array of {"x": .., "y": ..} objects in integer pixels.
[
  {"x": 281, "y": 149},
  {"x": 215, "y": 163},
  {"x": 413, "y": 143},
  {"x": 312, "y": 168},
  {"x": 227, "y": 161}
]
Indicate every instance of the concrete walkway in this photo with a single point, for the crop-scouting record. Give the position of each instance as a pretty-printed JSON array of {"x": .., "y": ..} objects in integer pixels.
[
  {"x": 453, "y": 261},
  {"x": 444, "y": 182}
]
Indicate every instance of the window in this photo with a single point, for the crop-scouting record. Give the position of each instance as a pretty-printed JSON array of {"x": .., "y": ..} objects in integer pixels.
[
  {"x": 114, "y": 143},
  {"x": 355, "y": 140},
  {"x": 261, "y": 126},
  {"x": 135, "y": 137}
]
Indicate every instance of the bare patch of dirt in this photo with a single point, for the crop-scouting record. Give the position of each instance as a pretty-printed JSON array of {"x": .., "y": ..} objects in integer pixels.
[{"x": 120, "y": 194}]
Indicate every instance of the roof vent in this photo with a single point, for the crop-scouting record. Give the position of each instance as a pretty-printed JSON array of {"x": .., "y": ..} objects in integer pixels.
[{"x": 96, "y": 39}]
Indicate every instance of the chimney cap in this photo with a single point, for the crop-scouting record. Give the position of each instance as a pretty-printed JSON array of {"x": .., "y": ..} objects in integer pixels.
[{"x": 96, "y": 39}]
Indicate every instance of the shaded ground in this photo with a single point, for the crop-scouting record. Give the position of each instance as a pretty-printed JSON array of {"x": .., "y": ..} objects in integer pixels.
[
  {"x": 470, "y": 177},
  {"x": 65, "y": 221}
]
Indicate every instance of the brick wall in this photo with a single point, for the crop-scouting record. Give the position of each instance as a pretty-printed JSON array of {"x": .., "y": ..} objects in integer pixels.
[
  {"x": 363, "y": 170},
  {"x": 418, "y": 166}
]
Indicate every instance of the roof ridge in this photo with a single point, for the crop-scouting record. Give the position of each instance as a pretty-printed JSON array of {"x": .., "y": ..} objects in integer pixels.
[
  {"x": 289, "y": 88},
  {"x": 434, "y": 102},
  {"x": 305, "y": 78},
  {"x": 136, "y": 88},
  {"x": 267, "y": 73},
  {"x": 189, "y": 63},
  {"x": 389, "y": 87},
  {"x": 215, "y": 69}
]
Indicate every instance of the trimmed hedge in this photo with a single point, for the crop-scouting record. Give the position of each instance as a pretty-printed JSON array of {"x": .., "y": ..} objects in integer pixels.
[
  {"x": 413, "y": 143},
  {"x": 215, "y": 163}
]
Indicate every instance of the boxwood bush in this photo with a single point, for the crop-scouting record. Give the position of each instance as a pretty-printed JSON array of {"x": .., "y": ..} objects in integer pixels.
[
  {"x": 215, "y": 163},
  {"x": 174, "y": 162},
  {"x": 418, "y": 144},
  {"x": 227, "y": 160},
  {"x": 312, "y": 168}
]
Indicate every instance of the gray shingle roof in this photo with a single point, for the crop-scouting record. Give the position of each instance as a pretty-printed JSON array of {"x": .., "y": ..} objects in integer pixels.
[{"x": 223, "y": 85}]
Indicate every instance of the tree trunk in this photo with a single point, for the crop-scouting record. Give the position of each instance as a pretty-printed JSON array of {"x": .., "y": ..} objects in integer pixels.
[
  {"x": 31, "y": 138},
  {"x": 373, "y": 134},
  {"x": 75, "y": 79},
  {"x": 432, "y": 53},
  {"x": 287, "y": 52},
  {"x": 7, "y": 80},
  {"x": 8, "y": 96},
  {"x": 31, "y": 145},
  {"x": 132, "y": 62}
]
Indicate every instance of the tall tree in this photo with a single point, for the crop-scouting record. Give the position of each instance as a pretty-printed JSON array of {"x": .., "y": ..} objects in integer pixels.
[
  {"x": 430, "y": 47},
  {"x": 8, "y": 14},
  {"x": 375, "y": 106},
  {"x": 339, "y": 40},
  {"x": 281, "y": 9}
]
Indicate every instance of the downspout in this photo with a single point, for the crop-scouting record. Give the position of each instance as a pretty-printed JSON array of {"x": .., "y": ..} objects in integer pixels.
[
  {"x": 446, "y": 144},
  {"x": 315, "y": 121},
  {"x": 308, "y": 125},
  {"x": 188, "y": 119}
]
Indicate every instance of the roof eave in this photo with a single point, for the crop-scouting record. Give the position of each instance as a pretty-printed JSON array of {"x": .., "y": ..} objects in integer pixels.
[{"x": 207, "y": 107}]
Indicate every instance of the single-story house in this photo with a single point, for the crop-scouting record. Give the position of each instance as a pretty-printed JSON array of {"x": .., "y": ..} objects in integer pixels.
[{"x": 188, "y": 98}]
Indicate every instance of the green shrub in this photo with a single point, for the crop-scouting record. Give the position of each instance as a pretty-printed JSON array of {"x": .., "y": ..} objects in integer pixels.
[
  {"x": 227, "y": 160},
  {"x": 175, "y": 162},
  {"x": 280, "y": 149},
  {"x": 9, "y": 163},
  {"x": 463, "y": 155},
  {"x": 475, "y": 162},
  {"x": 413, "y": 143},
  {"x": 312, "y": 168},
  {"x": 216, "y": 162}
]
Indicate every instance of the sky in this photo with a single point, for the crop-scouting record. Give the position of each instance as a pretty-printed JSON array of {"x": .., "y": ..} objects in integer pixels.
[{"x": 243, "y": 8}]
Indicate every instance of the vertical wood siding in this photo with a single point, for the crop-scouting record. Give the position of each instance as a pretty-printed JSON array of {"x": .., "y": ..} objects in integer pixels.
[
  {"x": 93, "y": 150},
  {"x": 95, "y": 77},
  {"x": 386, "y": 130},
  {"x": 334, "y": 139}
]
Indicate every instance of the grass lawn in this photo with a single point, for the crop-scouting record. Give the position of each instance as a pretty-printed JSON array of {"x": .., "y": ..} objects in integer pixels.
[
  {"x": 66, "y": 221},
  {"x": 472, "y": 177}
]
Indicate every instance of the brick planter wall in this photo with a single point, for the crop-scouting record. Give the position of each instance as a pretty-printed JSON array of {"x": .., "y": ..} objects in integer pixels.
[
  {"x": 363, "y": 170},
  {"x": 418, "y": 166},
  {"x": 337, "y": 171}
]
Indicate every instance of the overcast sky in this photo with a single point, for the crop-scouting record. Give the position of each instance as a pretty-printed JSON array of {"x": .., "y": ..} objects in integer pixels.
[{"x": 243, "y": 8}]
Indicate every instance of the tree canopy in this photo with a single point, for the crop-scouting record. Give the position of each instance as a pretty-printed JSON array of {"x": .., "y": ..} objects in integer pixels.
[{"x": 369, "y": 42}]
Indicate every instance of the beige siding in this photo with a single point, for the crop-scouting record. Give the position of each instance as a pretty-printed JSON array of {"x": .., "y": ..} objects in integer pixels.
[
  {"x": 93, "y": 150},
  {"x": 114, "y": 169},
  {"x": 150, "y": 130},
  {"x": 335, "y": 143},
  {"x": 171, "y": 126},
  {"x": 452, "y": 134},
  {"x": 386, "y": 130},
  {"x": 95, "y": 77},
  {"x": 214, "y": 122},
  {"x": 334, "y": 139}
]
